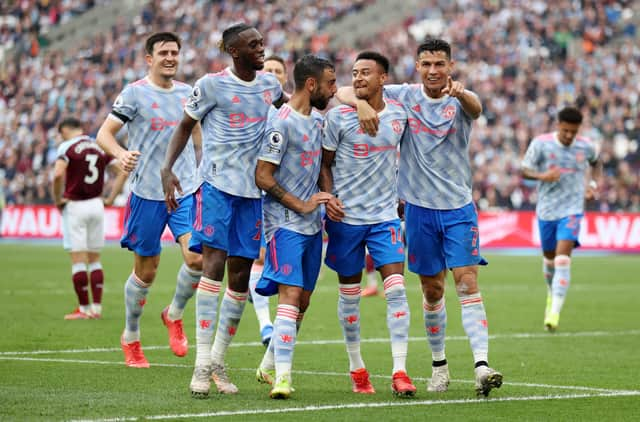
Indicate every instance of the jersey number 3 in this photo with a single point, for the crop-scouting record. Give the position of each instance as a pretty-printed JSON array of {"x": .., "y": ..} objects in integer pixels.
[{"x": 91, "y": 178}]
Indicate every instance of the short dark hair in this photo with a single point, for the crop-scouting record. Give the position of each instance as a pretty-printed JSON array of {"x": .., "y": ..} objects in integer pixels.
[
  {"x": 161, "y": 37},
  {"x": 70, "y": 122},
  {"x": 309, "y": 66},
  {"x": 433, "y": 45},
  {"x": 571, "y": 115},
  {"x": 376, "y": 57},
  {"x": 277, "y": 59},
  {"x": 230, "y": 35}
]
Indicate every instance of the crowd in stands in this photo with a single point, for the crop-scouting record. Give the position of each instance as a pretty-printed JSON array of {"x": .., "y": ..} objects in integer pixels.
[{"x": 524, "y": 59}]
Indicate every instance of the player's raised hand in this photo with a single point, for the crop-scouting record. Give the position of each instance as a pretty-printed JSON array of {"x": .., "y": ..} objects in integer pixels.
[
  {"x": 335, "y": 209},
  {"x": 551, "y": 175},
  {"x": 367, "y": 117},
  {"x": 315, "y": 201},
  {"x": 453, "y": 88},
  {"x": 170, "y": 184},
  {"x": 128, "y": 160}
]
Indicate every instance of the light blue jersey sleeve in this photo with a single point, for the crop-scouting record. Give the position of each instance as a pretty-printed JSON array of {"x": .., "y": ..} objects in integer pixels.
[
  {"x": 125, "y": 107},
  {"x": 331, "y": 138},
  {"x": 202, "y": 98},
  {"x": 275, "y": 141},
  {"x": 395, "y": 92},
  {"x": 532, "y": 157}
]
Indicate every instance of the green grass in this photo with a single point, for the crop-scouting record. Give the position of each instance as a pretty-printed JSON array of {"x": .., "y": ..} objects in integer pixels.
[{"x": 595, "y": 352}]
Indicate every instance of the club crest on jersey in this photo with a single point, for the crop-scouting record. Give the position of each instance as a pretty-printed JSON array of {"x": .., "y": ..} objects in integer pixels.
[
  {"x": 449, "y": 112},
  {"x": 275, "y": 140},
  {"x": 397, "y": 126},
  {"x": 267, "y": 97}
]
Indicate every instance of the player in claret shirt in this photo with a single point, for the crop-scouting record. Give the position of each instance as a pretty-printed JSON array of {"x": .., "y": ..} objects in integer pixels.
[
  {"x": 77, "y": 188},
  {"x": 151, "y": 108}
]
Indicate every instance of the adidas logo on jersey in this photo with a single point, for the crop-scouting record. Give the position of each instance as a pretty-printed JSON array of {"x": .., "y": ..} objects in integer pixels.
[
  {"x": 155, "y": 105},
  {"x": 235, "y": 99}
]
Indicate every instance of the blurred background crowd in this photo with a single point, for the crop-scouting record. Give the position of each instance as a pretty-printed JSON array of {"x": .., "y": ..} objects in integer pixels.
[{"x": 524, "y": 59}]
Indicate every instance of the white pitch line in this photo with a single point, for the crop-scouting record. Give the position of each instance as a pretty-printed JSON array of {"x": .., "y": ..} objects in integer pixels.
[
  {"x": 361, "y": 406},
  {"x": 341, "y": 341},
  {"x": 318, "y": 373}
]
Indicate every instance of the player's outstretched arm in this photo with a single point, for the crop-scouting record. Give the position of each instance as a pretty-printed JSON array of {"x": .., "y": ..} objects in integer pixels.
[
  {"x": 266, "y": 182},
  {"x": 367, "y": 116},
  {"x": 334, "y": 207},
  {"x": 179, "y": 139},
  {"x": 106, "y": 139},
  {"x": 468, "y": 99},
  {"x": 59, "y": 173}
]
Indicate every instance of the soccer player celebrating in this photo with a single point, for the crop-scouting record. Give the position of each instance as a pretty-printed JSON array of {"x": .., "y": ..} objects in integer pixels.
[
  {"x": 151, "y": 108},
  {"x": 276, "y": 66},
  {"x": 360, "y": 170},
  {"x": 288, "y": 169},
  {"x": 560, "y": 161},
  {"x": 77, "y": 185},
  {"x": 233, "y": 106},
  {"x": 434, "y": 180}
]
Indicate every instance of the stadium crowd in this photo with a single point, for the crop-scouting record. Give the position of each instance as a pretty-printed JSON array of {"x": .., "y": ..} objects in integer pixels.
[{"x": 524, "y": 59}]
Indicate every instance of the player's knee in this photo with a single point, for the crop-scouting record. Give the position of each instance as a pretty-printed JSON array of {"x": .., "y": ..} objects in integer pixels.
[
  {"x": 432, "y": 289},
  {"x": 147, "y": 275},
  {"x": 194, "y": 262},
  {"x": 466, "y": 283}
]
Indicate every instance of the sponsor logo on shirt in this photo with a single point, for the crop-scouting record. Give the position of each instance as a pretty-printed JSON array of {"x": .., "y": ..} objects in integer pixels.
[
  {"x": 159, "y": 123},
  {"x": 363, "y": 150},
  {"x": 239, "y": 120},
  {"x": 307, "y": 157},
  {"x": 417, "y": 126}
]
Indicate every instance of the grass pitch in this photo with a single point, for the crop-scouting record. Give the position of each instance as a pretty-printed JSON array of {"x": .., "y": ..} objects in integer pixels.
[{"x": 51, "y": 369}]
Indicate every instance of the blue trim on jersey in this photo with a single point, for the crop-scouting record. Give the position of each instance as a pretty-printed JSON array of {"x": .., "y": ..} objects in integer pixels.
[
  {"x": 146, "y": 219},
  {"x": 293, "y": 259},
  {"x": 441, "y": 239},
  {"x": 551, "y": 231},
  {"x": 226, "y": 222},
  {"x": 346, "y": 249}
]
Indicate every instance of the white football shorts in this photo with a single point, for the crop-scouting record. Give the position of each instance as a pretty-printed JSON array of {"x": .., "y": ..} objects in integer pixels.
[{"x": 83, "y": 225}]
